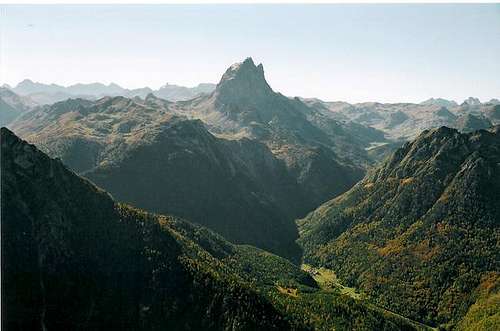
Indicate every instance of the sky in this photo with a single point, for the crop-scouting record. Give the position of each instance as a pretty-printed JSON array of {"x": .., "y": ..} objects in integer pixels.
[{"x": 354, "y": 53}]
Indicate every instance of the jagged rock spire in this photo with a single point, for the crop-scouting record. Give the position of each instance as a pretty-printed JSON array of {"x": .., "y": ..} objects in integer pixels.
[{"x": 243, "y": 80}]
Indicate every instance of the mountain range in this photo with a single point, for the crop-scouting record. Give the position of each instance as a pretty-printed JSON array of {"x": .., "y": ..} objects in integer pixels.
[
  {"x": 43, "y": 94},
  {"x": 12, "y": 106},
  {"x": 405, "y": 121},
  {"x": 399, "y": 121},
  {"x": 256, "y": 162},
  {"x": 171, "y": 164},
  {"x": 239, "y": 208},
  {"x": 74, "y": 258}
]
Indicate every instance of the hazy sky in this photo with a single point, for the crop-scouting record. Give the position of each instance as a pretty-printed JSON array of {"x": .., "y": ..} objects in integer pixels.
[{"x": 334, "y": 52}]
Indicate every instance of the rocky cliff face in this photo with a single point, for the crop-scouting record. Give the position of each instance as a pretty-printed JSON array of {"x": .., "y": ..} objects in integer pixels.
[
  {"x": 420, "y": 232},
  {"x": 243, "y": 82}
]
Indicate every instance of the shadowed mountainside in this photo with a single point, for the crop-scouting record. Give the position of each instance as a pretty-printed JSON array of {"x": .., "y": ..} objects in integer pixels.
[
  {"x": 258, "y": 161},
  {"x": 146, "y": 155},
  {"x": 324, "y": 155},
  {"x": 72, "y": 258}
]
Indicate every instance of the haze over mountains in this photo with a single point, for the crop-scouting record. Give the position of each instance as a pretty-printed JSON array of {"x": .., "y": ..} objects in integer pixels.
[
  {"x": 392, "y": 201},
  {"x": 398, "y": 121},
  {"x": 404, "y": 121},
  {"x": 50, "y": 93}
]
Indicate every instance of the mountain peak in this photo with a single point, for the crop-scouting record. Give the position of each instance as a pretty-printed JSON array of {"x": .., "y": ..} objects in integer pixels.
[
  {"x": 247, "y": 67},
  {"x": 6, "y": 134},
  {"x": 470, "y": 122},
  {"x": 471, "y": 101},
  {"x": 439, "y": 102},
  {"x": 150, "y": 96},
  {"x": 25, "y": 82},
  {"x": 243, "y": 79}
]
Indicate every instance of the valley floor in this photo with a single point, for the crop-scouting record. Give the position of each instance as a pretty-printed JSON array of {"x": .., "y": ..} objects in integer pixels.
[{"x": 328, "y": 281}]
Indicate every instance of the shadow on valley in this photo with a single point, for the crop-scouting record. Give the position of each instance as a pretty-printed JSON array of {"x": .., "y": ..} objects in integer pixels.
[
  {"x": 72, "y": 258},
  {"x": 242, "y": 160}
]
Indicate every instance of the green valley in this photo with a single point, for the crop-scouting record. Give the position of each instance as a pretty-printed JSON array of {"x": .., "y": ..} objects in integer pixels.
[{"x": 419, "y": 233}]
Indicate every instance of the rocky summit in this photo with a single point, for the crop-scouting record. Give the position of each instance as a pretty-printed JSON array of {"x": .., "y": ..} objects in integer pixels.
[{"x": 242, "y": 82}]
